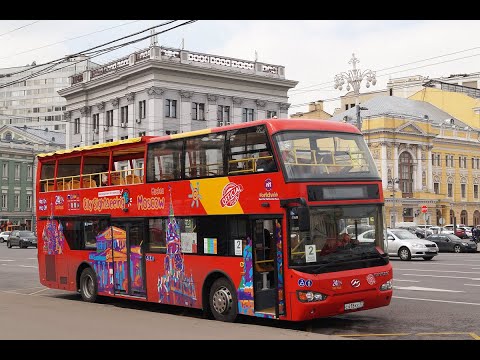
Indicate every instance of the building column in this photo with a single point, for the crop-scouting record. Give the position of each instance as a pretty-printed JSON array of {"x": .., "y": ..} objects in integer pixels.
[
  {"x": 101, "y": 122},
  {"x": 211, "y": 111},
  {"x": 185, "y": 111},
  {"x": 418, "y": 185},
  {"x": 261, "y": 113},
  {"x": 85, "y": 126},
  {"x": 116, "y": 118},
  {"x": 384, "y": 163},
  {"x": 67, "y": 115},
  {"x": 429, "y": 167},
  {"x": 395, "y": 160},
  {"x": 237, "y": 111},
  {"x": 283, "y": 113},
  {"x": 155, "y": 108},
  {"x": 131, "y": 126}
]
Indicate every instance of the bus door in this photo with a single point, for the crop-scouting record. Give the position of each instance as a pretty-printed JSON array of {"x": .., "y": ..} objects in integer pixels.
[
  {"x": 268, "y": 282},
  {"x": 128, "y": 257}
]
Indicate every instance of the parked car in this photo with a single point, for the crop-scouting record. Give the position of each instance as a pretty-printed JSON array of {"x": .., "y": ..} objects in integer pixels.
[
  {"x": 361, "y": 228},
  {"x": 404, "y": 244},
  {"x": 421, "y": 231},
  {"x": 450, "y": 242},
  {"x": 468, "y": 230},
  {"x": 22, "y": 239},
  {"x": 4, "y": 236},
  {"x": 458, "y": 231}
]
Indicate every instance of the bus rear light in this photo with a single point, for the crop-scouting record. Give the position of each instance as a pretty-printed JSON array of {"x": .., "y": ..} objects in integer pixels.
[
  {"x": 310, "y": 296},
  {"x": 387, "y": 286}
]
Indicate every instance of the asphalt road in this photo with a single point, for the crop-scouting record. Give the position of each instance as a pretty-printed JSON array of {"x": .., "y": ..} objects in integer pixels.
[{"x": 438, "y": 299}]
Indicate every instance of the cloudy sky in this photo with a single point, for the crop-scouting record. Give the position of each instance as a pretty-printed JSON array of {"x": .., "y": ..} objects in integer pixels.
[{"x": 312, "y": 51}]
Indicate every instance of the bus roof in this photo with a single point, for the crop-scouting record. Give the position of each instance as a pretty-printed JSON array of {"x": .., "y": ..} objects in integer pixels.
[
  {"x": 275, "y": 125},
  {"x": 97, "y": 146}
]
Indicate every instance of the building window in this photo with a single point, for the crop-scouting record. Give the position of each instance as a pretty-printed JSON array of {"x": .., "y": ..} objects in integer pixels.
[
  {"x": 460, "y": 162},
  {"x": 464, "y": 162},
  {"x": 29, "y": 171},
  {"x": 223, "y": 115},
  {"x": 109, "y": 120},
  {"x": 124, "y": 114},
  {"x": 95, "y": 143},
  {"x": 109, "y": 140},
  {"x": 171, "y": 132},
  {"x": 141, "y": 109},
  {"x": 17, "y": 171},
  {"x": 436, "y": 188},
  {"x": 475, "y": 191},
  {"x": 76, "y": 123},
  {"x": 247, "y": 115},
  {"x": 5, "y": 169},
  {"x": 463, "y": 217},
  {"x": 170, "y": 108},
  {"x": 4, "y": 201},
  {"x": 271, "y": 114},
  {"x": 450, "y": 190},
  {"x": 17, "y": 201},
  {"x": 433, "y": 159},
  {"x": 8, "y": 136},
  {"x": 198, "y": 111},
  {"x": 473, "y": 163},
  {"x": 439, "y": 160},
  {"x": 29, "y": 201},
  {"x": 96, "y": 121},
  {"x": 124, "y": 137},
  {"x": 463, "y": 188},
  {"x": 142, "y": 133},
  {"x": 406, "y": 173}
]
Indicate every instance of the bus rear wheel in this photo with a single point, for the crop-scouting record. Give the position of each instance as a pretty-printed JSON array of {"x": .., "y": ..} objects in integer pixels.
[
  {"x": 88, "y": 285},
  {"x": 223, "y": 300}
]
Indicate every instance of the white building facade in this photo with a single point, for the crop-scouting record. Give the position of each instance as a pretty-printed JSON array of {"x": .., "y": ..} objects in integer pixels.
[{"x": 161, "y": 91}]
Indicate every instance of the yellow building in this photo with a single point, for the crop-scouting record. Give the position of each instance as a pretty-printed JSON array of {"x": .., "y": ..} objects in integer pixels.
[
  {"x": 315, "y": 111},
  {"x": 430, "y": 156}
]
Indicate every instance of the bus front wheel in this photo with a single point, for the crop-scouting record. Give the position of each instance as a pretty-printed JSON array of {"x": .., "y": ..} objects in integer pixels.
[
  {"x": 223, "y": 300},
  {"x": 88, "y": 285}
]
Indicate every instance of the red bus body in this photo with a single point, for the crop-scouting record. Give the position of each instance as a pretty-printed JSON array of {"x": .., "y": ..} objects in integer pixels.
[{"x": 126, "y": 268}]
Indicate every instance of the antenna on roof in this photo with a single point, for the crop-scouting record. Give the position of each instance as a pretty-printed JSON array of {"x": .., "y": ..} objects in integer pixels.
[
  {"x": 153, "y": 38},
  {"x": 256, "y": 56}
]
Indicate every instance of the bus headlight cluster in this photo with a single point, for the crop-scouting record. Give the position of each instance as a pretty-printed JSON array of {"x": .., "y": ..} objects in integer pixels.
[
  {"x": 387, "y": 286},
  {"x": 310, "y": 296}
]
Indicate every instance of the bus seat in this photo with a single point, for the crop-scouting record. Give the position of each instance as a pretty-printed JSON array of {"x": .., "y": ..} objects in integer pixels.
[
  {"x": 73, "y": 184},
  {"x": 89, "y": 183},
  {"x": 116, "y": 179},
  {"x": 62, "y": 185},
  {"x": 132, "y": 179}
]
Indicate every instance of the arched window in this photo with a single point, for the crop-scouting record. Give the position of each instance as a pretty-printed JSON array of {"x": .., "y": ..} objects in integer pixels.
[
  {"x": 405, "y": 169},
  {"x": 476, "y": 218},
  {"x": 452, "y": 215},
  {"x": 8, "y": 136},
  {"x": 464, "y": 217}
]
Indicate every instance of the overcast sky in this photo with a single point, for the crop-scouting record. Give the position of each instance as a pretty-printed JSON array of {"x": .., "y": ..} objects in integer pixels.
[{"x": 312, "y": 51}]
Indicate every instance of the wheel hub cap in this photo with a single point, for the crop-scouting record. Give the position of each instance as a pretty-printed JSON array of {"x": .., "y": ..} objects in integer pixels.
[{"x": 222, "y": 300}]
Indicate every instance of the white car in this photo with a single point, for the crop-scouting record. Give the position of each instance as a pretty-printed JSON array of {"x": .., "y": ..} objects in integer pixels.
[
  {"x": 4, "y": 236},
  {"x": 404, "y": 244}
]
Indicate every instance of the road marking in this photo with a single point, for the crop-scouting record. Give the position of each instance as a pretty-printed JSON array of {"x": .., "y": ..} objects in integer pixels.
[
  {"x": 432, "y": 300},
  {"x": 406, "y": 280},
  {"x": 445, "y": 271},
  {"x": 6, "y": 260},
  {"x": 418, "y": 288},
  {"x": 29, "y": 266},
  {"x": 475, "y": 336},
  {"x": 475, "y": 268},
  {"x": 29, "y": 288},
  {"x": 31, "y": 258},
  {"x": 36, "y": 292},
  {"x": 363, "y": 335},
  {"x": 444, "y": 276},
  {"x": 471, "y": 284}
]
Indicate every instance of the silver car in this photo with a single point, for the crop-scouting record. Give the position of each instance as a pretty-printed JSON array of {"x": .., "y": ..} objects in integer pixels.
[{"x": 404, "y": 244}]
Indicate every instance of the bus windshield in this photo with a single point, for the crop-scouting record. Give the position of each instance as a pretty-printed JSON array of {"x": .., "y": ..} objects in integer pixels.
[
  {"x": 316, "y": 154},
  {"x": 340, "y": 238}
]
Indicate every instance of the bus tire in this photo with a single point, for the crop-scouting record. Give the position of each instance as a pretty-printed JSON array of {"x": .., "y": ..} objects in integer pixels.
[
  {"x": 223, "y": 300},
  {"x": 88, "y": 285}
]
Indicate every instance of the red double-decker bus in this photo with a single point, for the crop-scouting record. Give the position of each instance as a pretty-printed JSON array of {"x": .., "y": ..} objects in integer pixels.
[{"x": 263, "y": 218}]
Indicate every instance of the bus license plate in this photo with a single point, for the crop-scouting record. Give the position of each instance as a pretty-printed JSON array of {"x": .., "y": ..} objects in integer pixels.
[{"x": 354, "y": 305}]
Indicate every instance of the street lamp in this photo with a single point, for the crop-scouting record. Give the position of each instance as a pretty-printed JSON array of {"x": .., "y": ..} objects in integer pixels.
[
  {"x": 354, "y": 78},
  {"x": 392, "y": 182}
]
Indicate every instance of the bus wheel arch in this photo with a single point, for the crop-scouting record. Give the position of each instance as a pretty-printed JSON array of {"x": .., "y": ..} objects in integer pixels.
[{"x": 219, "y": 287}]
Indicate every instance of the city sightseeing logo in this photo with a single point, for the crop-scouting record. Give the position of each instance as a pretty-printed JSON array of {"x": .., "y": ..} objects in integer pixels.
[{"x": 231, "y": 194}]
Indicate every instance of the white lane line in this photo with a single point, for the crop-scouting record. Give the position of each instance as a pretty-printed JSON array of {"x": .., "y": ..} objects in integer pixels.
[
  {"x": 445, "y": 271},
  {"x": 471, "y": 284},
  {"x": 6, "y": 260},
  {"x": 432, "y": 300},
  {"x": 475, "y": 268},
  {"x": 27, "y": 266},
  {"x": 406, "y": 280},
  {"x": 39, "y": 291},
  {"x": 29, "y": 288},
  {"x": 444, "y": 276},
  {"x": 31, "y": 258},
  {"x": 418, "y": 288}
]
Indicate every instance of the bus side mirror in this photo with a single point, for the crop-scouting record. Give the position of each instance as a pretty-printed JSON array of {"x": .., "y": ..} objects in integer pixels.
[{"x": 303, "y": 218}]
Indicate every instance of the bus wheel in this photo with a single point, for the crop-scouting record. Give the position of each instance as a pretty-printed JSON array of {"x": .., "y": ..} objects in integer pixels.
[
  {"x": 223, "y": 300},
  {"x": 88, "y": 285}
]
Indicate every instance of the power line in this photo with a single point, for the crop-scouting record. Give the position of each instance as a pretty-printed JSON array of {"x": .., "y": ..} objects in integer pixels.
[
  {"x": 21, "y": 27},
  {"x": 74, "y": 38}
]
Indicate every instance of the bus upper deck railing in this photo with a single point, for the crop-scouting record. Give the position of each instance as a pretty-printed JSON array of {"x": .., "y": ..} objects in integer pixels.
[{"x": 93, "y": 180}]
